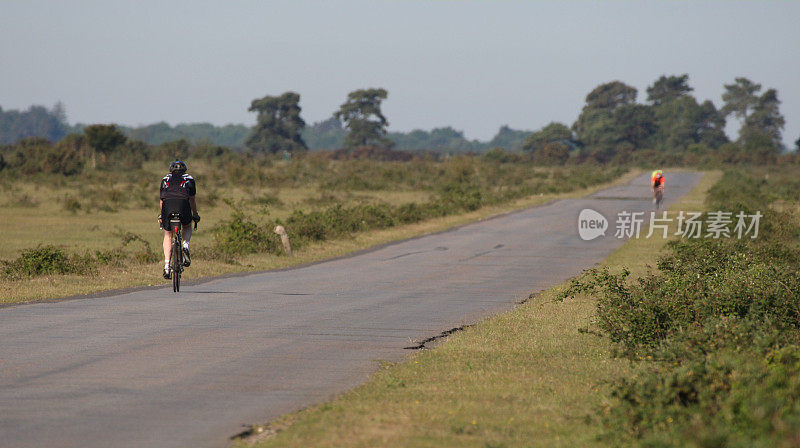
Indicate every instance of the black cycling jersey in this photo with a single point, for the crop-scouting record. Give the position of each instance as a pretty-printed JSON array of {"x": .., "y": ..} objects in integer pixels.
[{"x": 177, "y": 186}]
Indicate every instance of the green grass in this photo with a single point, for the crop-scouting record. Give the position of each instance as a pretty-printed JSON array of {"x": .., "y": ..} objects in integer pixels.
[{"x": 529, "y": 377}]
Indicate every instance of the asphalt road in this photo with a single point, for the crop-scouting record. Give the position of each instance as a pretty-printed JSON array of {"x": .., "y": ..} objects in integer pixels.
[{"x": 157, "y": 369}]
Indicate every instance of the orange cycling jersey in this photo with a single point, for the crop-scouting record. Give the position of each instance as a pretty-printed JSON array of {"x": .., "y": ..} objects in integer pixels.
[{"x": 658, "y": 182}]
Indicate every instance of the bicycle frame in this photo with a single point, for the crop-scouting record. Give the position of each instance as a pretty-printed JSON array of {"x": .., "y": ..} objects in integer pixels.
[{"x": 176, "y": 255}]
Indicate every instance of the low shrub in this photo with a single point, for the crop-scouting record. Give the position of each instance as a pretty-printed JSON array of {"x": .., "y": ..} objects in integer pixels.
[
  {"x": 728, "y": 399},
  {"x": 71, "y": 204},
  {"x": 44, "y": 260},
  {"x": 48, "y": 259},
  {"x": 239, "y": 235},
  {"x": 410, "y": 213},
  {"x": 456, "y": 198}
]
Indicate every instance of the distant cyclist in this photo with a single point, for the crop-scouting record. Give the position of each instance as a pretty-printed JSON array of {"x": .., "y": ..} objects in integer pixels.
[
  {"x": 657, "y": 180},
  {"x": 177, "y": 196}
]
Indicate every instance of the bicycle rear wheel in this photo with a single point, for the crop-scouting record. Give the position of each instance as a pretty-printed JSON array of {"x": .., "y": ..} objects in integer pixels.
[{"x": 176, "y": 264}]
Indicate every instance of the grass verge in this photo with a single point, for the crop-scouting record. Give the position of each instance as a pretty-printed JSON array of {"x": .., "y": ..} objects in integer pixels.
[{"x": 531, "y": 377}]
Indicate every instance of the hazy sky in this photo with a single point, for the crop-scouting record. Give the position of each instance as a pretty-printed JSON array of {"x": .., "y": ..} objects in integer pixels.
[{"x": 473, "y": 65}]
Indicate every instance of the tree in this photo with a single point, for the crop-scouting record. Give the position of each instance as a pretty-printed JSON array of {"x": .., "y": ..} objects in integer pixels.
[
  {"x": 740, "y": 97},
  {"x": 326, "y": 134},
  {"x": 37, "y": 121},
  {"x": 510, "y": 139},
  {"x": 552, "y": 133},
  {"x": 553, "y": 153},
  {"x": 597, "y": 132},
  {"x": 766, "y": 117},
  {"x": 682, "y": 122},
  {"x": 797, "y": 144},
  {"x": 635, "y": 124},
  {"x": 103, "y": 139},
  {"x": 710, "y": 126},
  {"x": 278, "y": 124},
  {"x": 760, "y": 115},
  {"x": 758, "y": 146},
  {"x": 667, "y": 89},
  {"x": 611, "y": 120},
  {"x": 362, "y": 116},
  {"x": 610, "y": 95},
  {"x": 676, "y": 124},
  {"x": 596, "y": 125},
  {"x": 445, "y": 138}
]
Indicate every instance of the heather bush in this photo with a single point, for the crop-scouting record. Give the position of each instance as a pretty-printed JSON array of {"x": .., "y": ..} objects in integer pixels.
[
  {"x": 239, "y": 235},
  {"x": 715, "y": 331},
  {"x": 44, "y": 260}
]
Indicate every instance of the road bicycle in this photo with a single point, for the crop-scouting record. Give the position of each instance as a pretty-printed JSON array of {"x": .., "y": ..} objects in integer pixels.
[
  {"x": 659, "y": 197},
  {"x": 176, "y": 255}
]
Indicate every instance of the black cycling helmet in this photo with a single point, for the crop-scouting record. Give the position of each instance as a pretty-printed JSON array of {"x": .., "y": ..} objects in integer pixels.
[{"x": 177, "y": 166}]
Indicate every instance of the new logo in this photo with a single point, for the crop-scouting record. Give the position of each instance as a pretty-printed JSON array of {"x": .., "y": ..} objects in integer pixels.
[{"x": 591, "y": 224}]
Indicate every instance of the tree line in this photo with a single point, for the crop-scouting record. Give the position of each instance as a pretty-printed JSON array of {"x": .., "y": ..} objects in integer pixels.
[
  {"x": 612, "y": 125},
  {"x": 52, "y": 125},
  {"x": 358, "y": 122},
  {"x": 37, "y": 121}
]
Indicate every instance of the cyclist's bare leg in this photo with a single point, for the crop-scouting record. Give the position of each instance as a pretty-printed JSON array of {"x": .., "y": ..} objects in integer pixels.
[
  {"x": 167, "y": 245},
  {"x": 187, "y": 233}
]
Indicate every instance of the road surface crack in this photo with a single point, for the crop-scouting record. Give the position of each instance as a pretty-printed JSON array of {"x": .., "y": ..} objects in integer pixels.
[
  {"x": 480, "y": 254},
  {"x": 442, "y": 335}
]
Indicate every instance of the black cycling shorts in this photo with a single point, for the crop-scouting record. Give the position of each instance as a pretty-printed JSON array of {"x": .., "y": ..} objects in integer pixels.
[{"x": 179, "y": 206}]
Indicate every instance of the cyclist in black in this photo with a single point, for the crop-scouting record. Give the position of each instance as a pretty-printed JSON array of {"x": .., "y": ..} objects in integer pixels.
[{"x": 177, "y": 196}]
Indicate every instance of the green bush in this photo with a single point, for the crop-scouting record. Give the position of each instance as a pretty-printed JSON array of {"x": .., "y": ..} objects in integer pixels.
[
  {"x": 718, "y": 324},
  {"x": 71, "y": 204},
  {"x": 37, "y": 155},
  {"x": 458, "y": 198},
  {"x": 44, "y": 260},
  {"x": 728, "y": 399},
  {"x": 410, "y": 213},
  {"x": 48, "y": 259},
  {"x": 309, "y": 226},
  {"x": 239, "y": 236}
]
